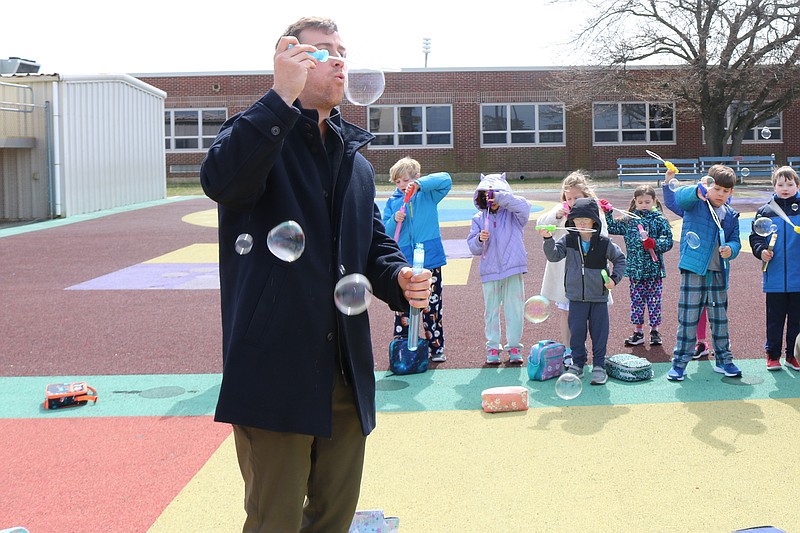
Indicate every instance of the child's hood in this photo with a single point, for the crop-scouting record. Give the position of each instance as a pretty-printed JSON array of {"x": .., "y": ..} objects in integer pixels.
[
  {"x": 584, "y": 208},
  {"x": 496, "y": 182}
]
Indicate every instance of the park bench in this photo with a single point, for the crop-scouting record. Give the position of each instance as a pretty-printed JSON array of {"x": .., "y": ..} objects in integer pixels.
[
  {"x": 745, "y": 166},
  {"x": 794, "y": 162},
  {"x": 649, "y": 169}
]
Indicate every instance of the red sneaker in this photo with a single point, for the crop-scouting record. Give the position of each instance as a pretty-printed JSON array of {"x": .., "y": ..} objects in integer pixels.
[
  {"x": 792, "y": 363},
  {"x": 773, "y": 364}
]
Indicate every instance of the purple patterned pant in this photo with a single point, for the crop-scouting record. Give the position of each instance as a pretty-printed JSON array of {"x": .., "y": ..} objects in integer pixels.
[{"x": 646, "y": 293}]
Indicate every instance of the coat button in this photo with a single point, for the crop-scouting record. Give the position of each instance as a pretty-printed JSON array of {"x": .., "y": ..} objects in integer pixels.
[
  {"x": 329, "y": 337},
  {"x": 275, "y": 130}
]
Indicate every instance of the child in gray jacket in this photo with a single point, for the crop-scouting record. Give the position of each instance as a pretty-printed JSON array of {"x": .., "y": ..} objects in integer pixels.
[{"x": 587, "y": 282}]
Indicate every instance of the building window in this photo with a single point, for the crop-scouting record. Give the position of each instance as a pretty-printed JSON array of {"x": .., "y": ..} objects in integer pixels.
[
  {"x": 192, "y": 129},
  {"x": 522, "y": 124},
  {"x": 633, "y": 122},
  {"x": 408, "y": 126},
  {"x": 773, "y": 125}
]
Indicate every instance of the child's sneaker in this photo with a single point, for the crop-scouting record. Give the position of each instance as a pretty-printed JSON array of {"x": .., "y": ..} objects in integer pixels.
[
  {"x": 773, "y": 364},
  {"x": 676, "y": 373},
  {"x": 599, "y": 376},
  {"x": 700, "y": 350},
  {"x": 578, "y": 371},
  {"x": 655, "y": 338},
  {"x": 514, "y": 357},
  {"x": 791, "y": 362},
  {"x": 729, "y": 369},
  {"x": 438, "y": 358},
  {"x": 635, "y": 340},
  {"x": 493, "y": 357}
]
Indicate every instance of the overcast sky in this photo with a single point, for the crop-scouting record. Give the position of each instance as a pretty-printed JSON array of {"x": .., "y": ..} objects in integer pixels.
[{"x": 148, "y": 36}]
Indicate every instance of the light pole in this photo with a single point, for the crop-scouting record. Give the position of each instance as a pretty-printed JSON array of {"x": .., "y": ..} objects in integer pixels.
[{"x": 426, "y": 48}]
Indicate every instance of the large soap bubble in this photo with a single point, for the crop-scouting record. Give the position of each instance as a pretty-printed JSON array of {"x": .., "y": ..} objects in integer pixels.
[
  {"x": 287, "y": 241},
  {"x": 569, "y": 386}
]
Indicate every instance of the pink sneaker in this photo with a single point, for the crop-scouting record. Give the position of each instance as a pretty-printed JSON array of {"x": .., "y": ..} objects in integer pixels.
[
  {"x": 514, "y": 357},
  {"x": 493, "y": 357}
]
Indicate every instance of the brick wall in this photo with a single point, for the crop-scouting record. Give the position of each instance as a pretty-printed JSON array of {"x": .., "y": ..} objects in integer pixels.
[{"x": 465, "y": 90}]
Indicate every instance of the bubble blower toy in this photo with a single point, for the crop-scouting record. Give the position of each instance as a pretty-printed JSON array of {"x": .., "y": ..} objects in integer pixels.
[
  {"x": 770, "y": 246},
  {"x": 413, "y": 316},
  {"x": 775, "y": 207},
  {"x": 489, "y": 201},
  {"x": 604, "y": 273},
  {"x": 719, "y": 227},
  {"x": 410, "y": 355},
  {"x": 73, "y": 394},
  {"x": 644, "y": 236},
  {"x": 667, "y": 164},
  {"x": 406, "y": 199}
]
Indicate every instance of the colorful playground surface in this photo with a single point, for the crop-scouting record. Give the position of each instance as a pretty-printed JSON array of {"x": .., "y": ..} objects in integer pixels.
[{"x": 127, "y": 301}]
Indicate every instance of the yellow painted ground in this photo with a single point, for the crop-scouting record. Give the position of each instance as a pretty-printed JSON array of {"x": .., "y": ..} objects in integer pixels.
[{"x": 694, "y": 467}]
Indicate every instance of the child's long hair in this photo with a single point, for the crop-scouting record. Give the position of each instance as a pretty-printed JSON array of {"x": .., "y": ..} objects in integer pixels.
[
  {"x": 643, "y": 190},
  {"x": 578, "y": 179}
]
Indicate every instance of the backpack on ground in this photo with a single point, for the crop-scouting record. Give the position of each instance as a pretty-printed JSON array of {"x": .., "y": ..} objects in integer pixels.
[
  {"x": 628, "y": 367},
  {"x": 546, "y": 360}
]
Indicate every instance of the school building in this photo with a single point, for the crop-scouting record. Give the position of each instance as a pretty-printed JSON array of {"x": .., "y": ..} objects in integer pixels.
[{"x": 468, "y": 121}]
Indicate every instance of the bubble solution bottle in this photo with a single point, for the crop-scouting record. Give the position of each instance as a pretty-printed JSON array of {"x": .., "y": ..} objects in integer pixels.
[{"x": 413, "y": 316}]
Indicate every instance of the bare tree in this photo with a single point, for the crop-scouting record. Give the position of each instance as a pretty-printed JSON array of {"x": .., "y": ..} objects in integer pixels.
[{"x": 740, "y": 55}]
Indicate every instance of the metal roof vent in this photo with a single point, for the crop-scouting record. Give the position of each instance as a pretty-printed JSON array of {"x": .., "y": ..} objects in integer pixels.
[{"x": 17, "y": 65}]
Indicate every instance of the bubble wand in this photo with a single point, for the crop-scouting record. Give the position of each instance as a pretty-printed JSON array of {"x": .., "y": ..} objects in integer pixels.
[
  {"x": 667, "y": 164},
  {"x": 489, "y": 201},
  {"x": 552, "y": 227},
  {"x": 413, "y": 316},
  {"x": 775, "y": 207},
  {"x": 772, "y": 239},
  {"x": 406, "y": 199},
  {"x": 644, "y": 236}
]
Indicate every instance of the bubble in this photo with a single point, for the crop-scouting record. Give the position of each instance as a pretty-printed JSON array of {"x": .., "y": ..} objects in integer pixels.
[
  {"x": 537, "y": 309},
  {"x": 794, "y": 207},
  {"x": 243, "y": 244},
  {"x": 674, "y": 184},
  {"x": 692, "y": 240},
  {"x": 569, "y": 386},
  {"x": 708, "y": 182},
  {"x": 745, "y": 172},
  {"x": 287, "y": 241},
  {"x": 766, "y": 133},
  {"x": 352, "y": 294},
  {"x": 763, "y": 226},
  {"x": 363, "y": 85}
]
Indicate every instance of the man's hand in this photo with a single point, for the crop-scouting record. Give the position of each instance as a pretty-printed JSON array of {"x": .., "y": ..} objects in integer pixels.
[
  {"x": 291, "y": 68},
  {"x": 416, "y": 287}
]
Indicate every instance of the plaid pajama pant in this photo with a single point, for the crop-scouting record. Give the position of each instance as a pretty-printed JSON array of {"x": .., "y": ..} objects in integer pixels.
[{"x": 696, "y": 292}]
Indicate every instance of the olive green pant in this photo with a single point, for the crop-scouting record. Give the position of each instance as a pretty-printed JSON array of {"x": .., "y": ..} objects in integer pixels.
[{"x": 300, "y": 483}]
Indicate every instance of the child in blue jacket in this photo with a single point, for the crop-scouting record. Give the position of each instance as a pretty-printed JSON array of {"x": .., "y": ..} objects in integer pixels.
[
  {"x": 496, "y": 236},
  {"x": 705, "y": 269},
  {"x": 419, "y": 223},
  {"x": 781, "y": 277}
]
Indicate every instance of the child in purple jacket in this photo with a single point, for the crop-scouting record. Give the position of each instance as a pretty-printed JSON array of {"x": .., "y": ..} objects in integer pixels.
[{"x": 497, "y": 237}]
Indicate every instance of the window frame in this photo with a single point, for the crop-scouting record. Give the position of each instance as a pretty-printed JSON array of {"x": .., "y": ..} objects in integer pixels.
[
  {"x": 509, "y": 132},
  {"x": 396, "y": 135},
  {"x": 646, "y": 119},
  {"x": 169, "y": 129}
]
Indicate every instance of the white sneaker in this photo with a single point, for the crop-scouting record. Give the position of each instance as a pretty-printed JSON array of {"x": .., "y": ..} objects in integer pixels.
[{"x": 438, "y": 358}]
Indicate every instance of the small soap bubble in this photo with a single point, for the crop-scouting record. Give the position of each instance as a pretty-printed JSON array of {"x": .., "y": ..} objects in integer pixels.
[
  {"x": 692, "y": 240},
  {"x": 287, "y": 241},
  {"x": 766, "y": 133},
  {"x": 708, "y": 182},
  {"x": 363, "y": 85},
  {"x": 243, "y": 244},
  {"x": 537, "y": 309},
  {"x": 745, "y": 172},
  {"x": 763, "y": 226},
  {"x": 569, "y": 386},
  {"x": 795, "y": 207},
  {"x": 353, "y": 294},
  {"x": 674, "y": 184}
]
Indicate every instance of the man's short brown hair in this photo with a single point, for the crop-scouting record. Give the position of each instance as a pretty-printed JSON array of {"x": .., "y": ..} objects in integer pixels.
[{"x": 305, "y": 23}]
